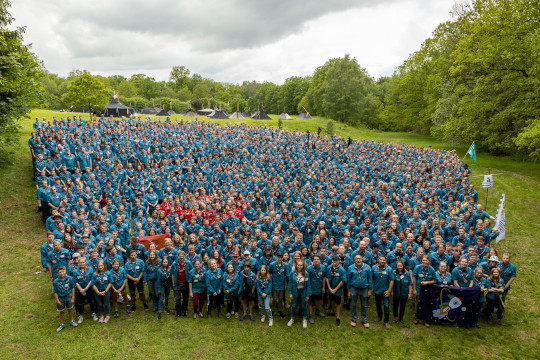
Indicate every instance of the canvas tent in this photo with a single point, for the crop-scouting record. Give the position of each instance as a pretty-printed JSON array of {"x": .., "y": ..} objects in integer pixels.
[
  {"x": 117, "y": 109},
  {"x": 236, "y": 115},
  {"x": 220, "y": 114},
  {"x": 162, "y": 112},
  {"x": 190, "y": 113},
  {"x": 206, "y": 112},
  {"x": 260, "y": 115},
  {"x": 151, "y": 110},
  {"x": 246, "y": 114},
  {"x": 304, "y": 115},
  {"x": 284, "y": 116},
  {"x": 171, "y": 112}
]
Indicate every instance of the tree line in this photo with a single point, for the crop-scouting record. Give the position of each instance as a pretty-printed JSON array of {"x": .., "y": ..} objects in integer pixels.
[{"x": 477, "y": 78}]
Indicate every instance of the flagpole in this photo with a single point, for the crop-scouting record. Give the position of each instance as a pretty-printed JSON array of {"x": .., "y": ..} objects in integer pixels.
[{"x": 468, "y": 151}]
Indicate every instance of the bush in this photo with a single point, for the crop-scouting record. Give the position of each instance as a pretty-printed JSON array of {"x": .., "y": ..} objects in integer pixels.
[{"x": 330, "y": 127}]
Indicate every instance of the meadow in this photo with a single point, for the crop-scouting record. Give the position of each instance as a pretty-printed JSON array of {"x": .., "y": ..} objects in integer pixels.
[{"x": 28, "y": 316}]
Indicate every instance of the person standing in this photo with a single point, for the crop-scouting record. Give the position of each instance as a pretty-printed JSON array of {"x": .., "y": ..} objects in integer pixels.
[
  {"x": 180, "y": 284},
  {"x": 402, "y": 291},
  {"x": 360, "y": 284},
  {"x": 299, "y": 290},
  {"x": 383, "y": 282}
]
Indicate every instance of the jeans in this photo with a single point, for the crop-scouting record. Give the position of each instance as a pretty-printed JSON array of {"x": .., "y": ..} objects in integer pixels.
[
  {"x": 362, "y": 294},
  {"x": 152, "y": 288},
  {"x": 264, "y": 305},
  {"x": 103, "y": 303},
  {"x": 399, "y": 302},
  {"x": 181, "y": 298},
  {"x": 81, "y": 299},
  {"x": 385, "y": 302},
  {"x": 164, "y": 297},
  {"x": 299, "y": 300}
]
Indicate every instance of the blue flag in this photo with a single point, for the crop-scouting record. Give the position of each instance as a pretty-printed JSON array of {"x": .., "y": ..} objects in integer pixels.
[
  {"x": 449, "y": 304},
  {"x": 472, "y": 151}
]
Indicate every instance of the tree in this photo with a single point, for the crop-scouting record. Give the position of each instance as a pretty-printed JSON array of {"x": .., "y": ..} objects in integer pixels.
[
  {"x": 180, "y": 77},
  {"x": 87, "y": 92},
  {"x": 20, "y": 70},
  {"x": 348, "y": 92}
]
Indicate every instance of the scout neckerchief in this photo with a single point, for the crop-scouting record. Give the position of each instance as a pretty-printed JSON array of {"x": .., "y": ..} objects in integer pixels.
[
  {"x": 503, "y": 269},
  {"x": 425, "y": 273},
  {"x": 166, "y": 252},
  {"x": 443, "y": 277},
  {"x": 101, "y": 278},
  {"x": 280, "y": 268},
  {"x": 359, "y": 270},
  {"x": 65, "y": 284},
  {"x": 478, "y": 282},
  {"x": 380, "y": 271},
  {"x": 214, "y": 274},
  {"x": 166, "y": 272},
  {"x": 191, "y": 258},
  {"x": 461, "y": 273},
  {"x": 264, "y": 283},
  {"x": 151, "y": 265},
  {"x": 57, "y": 258},
  {"x": 318, "y": 274},
  {"x": 115, "y": 275},
  {"x": 480, "y": 254},
  {"x": 132, "y": 266},
  {"x": 84, "y": 274}
]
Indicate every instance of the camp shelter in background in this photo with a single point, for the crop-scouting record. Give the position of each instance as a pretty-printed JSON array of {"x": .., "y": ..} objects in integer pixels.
[
  {"x": 260, "y": 115},
  {"x": 304, "y": 115},
  {"x": 163, "y": 112},
  {"x": 190, "y": 113},
  {"x": 206, "y": 112},
  {"x": 220, "y": 114},
  {"x": 117, "y": 109},
  {"x": 237, "y": 114},
  {"x": 151, "y": 110},
  {"x": 284, "y": 116}
]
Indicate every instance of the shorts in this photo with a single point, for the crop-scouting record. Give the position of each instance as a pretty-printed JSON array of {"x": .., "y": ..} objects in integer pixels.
[
  {"x": 314, "y": 298},
  {"x": 247, "y": 294},
  {"x": 66, "y": 304},
  {"x": 132, "y": 286},
  {"x": 335, "y": 299}
]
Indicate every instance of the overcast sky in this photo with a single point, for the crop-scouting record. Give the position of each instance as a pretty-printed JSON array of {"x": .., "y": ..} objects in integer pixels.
[{"x": 226, "y": 40}]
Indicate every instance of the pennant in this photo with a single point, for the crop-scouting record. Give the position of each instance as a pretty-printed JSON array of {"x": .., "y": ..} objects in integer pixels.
[{"x": 500, "y": 221}]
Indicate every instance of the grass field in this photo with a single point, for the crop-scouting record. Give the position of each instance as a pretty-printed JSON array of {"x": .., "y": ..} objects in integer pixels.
[{"x": 28, "y": 317}]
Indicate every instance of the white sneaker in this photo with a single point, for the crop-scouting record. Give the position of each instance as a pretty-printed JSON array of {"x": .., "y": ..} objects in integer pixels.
[
  {"x": 120, "y": 299},
  {"x": 129, "y": 298},
  {"x": 304, "y": 323},
  {"x": 263, "y": 318},
  {"x": 80, "y": 320},
  {"x": 236, "y": 315},
  {"x": 287, "y": 306},
  {"x": 290, "y": 322},
  {"x": 94, "y": 317},
  {"x": 228, "y": 316},
  {"x": 270, "y": 322}
]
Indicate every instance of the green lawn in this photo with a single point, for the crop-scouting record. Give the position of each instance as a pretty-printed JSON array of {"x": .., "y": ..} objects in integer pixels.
[{"x": 28, "y": 317}]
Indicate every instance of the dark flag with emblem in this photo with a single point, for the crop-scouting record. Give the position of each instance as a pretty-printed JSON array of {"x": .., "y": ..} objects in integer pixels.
[{"x": 449, "y": 304}]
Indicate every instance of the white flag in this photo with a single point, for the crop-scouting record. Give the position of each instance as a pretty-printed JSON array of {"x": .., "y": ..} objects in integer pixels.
[{"x": 500, "y": 222}]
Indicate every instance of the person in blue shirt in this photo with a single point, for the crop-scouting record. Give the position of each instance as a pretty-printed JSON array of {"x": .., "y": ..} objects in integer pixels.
[
  {"x": 197, "y": 288},
  {"x": 299, "y": 290},
  {"x": 83, "y": 289},
  {"x": 164, "y": 285},
  {"x": 230, "y": 290},
  {"x": 335, "y": 278},
  {"x": 247, "y": 283},
  {"x": 64, "y": 294},
  {"x": 264, "y": 289},
  {"x": 44, "y": 251},
  {"x": 494, "y": 296},
  {"x": 462, "y": 275},
  {"x": 101, "y": 283},
  {"x": 401, "y": 291},
  {"x": 479, "y": 281},
  {"x": 151, "y": 268},
  {"x": 316, "y": 273},
  {"x": 278, "y": 272},
  {"x": 214, "y": 288},
  {"x": 118, "y": 284},
  {"x": 442, "y": 275},
  {"x": 56, "y": 258},
  {"x": 360, "y": 285},
  {"x": 423, "y": 274},
  {"x": 508, "y": 273},
  {"x": 135, "y": 272},
  {"x": 383, "y": 283}
]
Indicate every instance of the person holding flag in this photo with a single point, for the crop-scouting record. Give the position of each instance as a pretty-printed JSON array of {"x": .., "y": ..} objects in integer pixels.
[{"x": 471, "y": 152}]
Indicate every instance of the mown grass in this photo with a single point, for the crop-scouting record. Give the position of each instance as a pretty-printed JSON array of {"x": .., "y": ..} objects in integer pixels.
[{"x": 28, "y": 318}]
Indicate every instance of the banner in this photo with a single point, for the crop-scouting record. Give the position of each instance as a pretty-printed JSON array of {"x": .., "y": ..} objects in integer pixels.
[
  {"x": 488, "y": 181},
  {"x": 449, "y": 304},
  {"x": 500, "y": 222},
  {"x": 159, "y": 240},
  {"x": 472, "y": 152}
]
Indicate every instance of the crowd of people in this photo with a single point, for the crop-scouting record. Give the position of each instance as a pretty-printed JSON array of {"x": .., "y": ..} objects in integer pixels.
[{"x": 254, "y": 217}]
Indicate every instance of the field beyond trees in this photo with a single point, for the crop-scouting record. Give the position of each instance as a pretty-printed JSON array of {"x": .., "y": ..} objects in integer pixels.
[{"x": 28, "y": 316}]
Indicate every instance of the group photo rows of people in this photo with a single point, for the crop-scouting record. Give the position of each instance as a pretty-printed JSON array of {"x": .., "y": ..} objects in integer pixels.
[{"x": 254, "y": 223}]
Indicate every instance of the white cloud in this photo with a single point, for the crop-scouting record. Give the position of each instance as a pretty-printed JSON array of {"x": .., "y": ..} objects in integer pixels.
[{"x": 227, "y": 40}]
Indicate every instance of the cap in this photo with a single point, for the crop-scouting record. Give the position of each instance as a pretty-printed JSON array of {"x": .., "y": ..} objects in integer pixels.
[
  {"x": 57, "y": 240},
  {"x": 235, "y": 253},
  {"x": 247, "y": 252},
  {"x": 335, "y": 257},
  {"x": 76, "y": 255},
  {"x": 267, "y": 247},
  {"x": 279, "y": 253},
  {"x": 494, "y": 258}
]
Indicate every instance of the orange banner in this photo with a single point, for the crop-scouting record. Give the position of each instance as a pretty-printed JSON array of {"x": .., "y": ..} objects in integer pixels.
[{"x": 159, "y": 240}]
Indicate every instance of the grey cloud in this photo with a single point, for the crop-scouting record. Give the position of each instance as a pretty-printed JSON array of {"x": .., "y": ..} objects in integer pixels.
[{"x": 211, "y": 25}]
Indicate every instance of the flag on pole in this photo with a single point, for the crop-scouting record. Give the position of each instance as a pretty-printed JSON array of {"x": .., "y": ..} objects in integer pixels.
[
  {"x": 500, "y": 221},
  {"x": 472, "y": 151}
]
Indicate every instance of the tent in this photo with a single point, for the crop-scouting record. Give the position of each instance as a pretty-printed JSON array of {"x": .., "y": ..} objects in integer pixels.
[
  {"x": 151, "y": 110},
  {"x": 171, "y": 112},
  {"x": 116, "y": 108},
  {"x": 236, "y": 115},
  {"x": 260, "y": 115},
  {"x": 284, "y": 116},
  {"x": 246, "y": 114},
  {"x": 183, "y": 112},
  {"x": 205, "y": 112},
  {"x": 190, "y": 113},
  {"x": 304, "y": 115},
  {"x": 162, "y": 112},
  {"x": 220, "y": 114}
]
